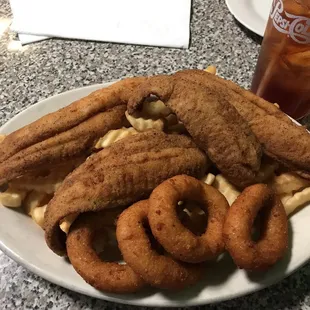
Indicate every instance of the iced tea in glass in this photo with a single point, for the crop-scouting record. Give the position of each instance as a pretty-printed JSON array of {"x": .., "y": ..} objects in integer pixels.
[{"x": 283, "y": 70}]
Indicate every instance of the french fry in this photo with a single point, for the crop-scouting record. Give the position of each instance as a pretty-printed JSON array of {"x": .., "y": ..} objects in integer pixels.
[
  {"x": 12, "y": 197},
  {"x": 284, "y": 198},
  {"x": 35, "y": 205},
  {"x": 208, "y": 179},
  {"x": 155, "y": 109},
  {"x": 287, "y": 183},
  {"x": 143, "y": 124},
  {"x": 67, "y": 222},
  {"x": 35, "y": 200},
  {"x": 298, "y": 200},
  {"x": 227, "y": 189},
  {"x": 193, "y": 217},
  {"x": 38, "y": 215},
  {"x": 293, "y": 191},
  {"x": 211, "y": 69},
  {"x": 114, "y": 135}
]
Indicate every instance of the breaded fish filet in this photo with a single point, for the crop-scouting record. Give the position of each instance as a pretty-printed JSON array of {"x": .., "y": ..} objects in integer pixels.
[
  {"x": 213, "y": 123},
  {"x": 67, "y": 145},
  {"x": 67, "y": 133},
  {"x": 119, "y": 175},
  {"x": 68, "y": 117},
  {"x": 280, "y": 137}
]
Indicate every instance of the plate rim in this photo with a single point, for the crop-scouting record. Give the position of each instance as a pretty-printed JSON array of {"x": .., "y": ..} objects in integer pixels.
[
  {"x": 231, "y": 7},
  {"x": 109, "y": 297}
]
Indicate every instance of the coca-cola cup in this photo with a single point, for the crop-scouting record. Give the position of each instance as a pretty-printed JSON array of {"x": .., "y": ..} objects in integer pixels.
[{"x": 282, "y": 73}]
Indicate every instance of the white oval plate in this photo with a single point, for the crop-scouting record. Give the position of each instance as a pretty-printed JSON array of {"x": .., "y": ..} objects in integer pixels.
[
  {"x": 23, "y": 241},
  {"x": 253, "y": 14}
]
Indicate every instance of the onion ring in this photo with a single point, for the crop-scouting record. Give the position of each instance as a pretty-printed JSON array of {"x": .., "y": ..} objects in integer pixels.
[
  {"x": 176, "y": 239},
  {"x": 104, "y": 276},
  {"x": 273, "y": 243},
  {"x": 158, "y": 270}
]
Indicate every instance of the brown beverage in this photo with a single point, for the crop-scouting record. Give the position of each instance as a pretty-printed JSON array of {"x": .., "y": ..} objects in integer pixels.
[{"x": 283, "y": 70}]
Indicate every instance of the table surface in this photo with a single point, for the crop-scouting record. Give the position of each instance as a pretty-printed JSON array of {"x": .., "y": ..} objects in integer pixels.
[{"x": 37, "y": 71}]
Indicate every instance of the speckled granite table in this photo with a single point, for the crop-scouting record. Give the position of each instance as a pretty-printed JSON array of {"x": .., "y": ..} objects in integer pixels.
[{"x": 40, "y": 70}]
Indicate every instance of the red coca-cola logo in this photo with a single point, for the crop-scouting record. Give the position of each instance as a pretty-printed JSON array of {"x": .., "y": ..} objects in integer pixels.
[{"x": 297, "y": 27}]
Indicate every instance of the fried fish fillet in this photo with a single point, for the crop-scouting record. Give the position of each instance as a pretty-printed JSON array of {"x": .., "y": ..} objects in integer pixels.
[
  {"x": 280, "y": 137},
  {"x": 67, "y": 132},
  {"x": 66, "y": 145},
  {"x": 68, "y": 117},
  {"x": 119, "y": 175},
  {"x": 213, "y": 123}
]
